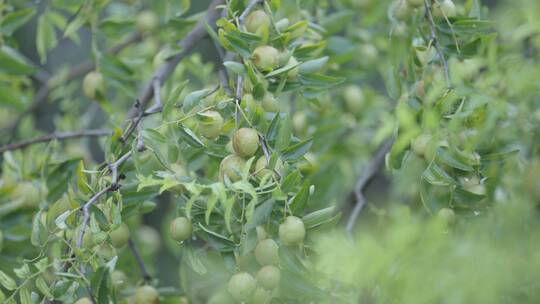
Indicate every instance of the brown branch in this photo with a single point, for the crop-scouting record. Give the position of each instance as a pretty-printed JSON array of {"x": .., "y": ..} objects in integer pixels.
[
  {"x": 146, "y": 276},
  {"x": 165, "y": 70},
  {"x": 55, "y": 136},
  {"x": 75, "y": 72},
  {"x": 367, "y": 175},
  {"x": 435, "y": 41}
]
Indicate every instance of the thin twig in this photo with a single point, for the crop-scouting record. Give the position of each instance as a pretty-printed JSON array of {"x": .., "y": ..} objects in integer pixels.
[
  {"x": 75, "y": 72},
  {"x": 55, "y": 136},
  {"x": 165, "y": 70},
  {"x": 436, "y": 44},
  {"x": 146, "y": 276},
  {"x": 367, "y": 175}
]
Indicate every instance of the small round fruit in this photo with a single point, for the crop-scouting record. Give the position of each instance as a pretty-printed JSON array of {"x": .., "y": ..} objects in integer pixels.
[
  {"x": 242, "y": 286},
  {"x": 447, "y": 215},
  {"x": 401, "y": 10},
  {"x": 257, "y": 20},
  {"x": 420, "y": 144},
  {"x": 120, "y": 236},
  {"x": 84, "y": 301},
  {"x": 93, "y": 85},
  {"x": 293, "y": 73},
  {"x": 269, "y": 276},
  {"x": 146, "y": 295},
  {"x": 118, "y": 279},
  {"x": 299, "y": 123},
  {"x": 261, "y": 296},
  {"x": 180, "y": 229},
  {"x": 232, "y": 167},
  {"x": 265, "y": 58},
  {"x": 266, "y": 252},
  {"x": 245, "y": 142},
  {"x": 147, "y": 21},
  {"x": 444, "y": 8},
  {"x": 270, "y": 103},
  {"x": 221, "y": 297},
  {"x": 354, "y": 98},
  {"x": 211, "y": 126},
  {"x": 292, "y": 231}
]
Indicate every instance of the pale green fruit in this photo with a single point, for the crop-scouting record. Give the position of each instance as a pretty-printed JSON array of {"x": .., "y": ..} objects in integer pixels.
[
  {"x": 269, "y": 276},
  {"x": 84, "y": 301},
  {"x": 147, "y": 21},
  {"x": 245, "y": 142},
  {"x": 212, "y": 125},
  {"x": 261, "y": 167},
  {"x": 232, "y": 166},
  {"x": 420, "y": 144},
  {"x": 261, "y": 296},
  {"x": 293, "y": 73},
  {"x": 267, "y": 252},
  {"x": 242, "y": 286},
  {"x": 265, "y": 58},
  {"x": 146, "y": 295},
  {"x": 444, "y": 8},
  {"x": 120, "y": 236},
  {"x": 93, "y": 85},
  {"x": 401, "y": 10},
  {"x": 270, "y": 103},
  {"x": 256, "y": 21},
  {"x": 119, "y": 279},
  {"x": 221, "y": 297},
  {"x": 180, "y": 229},
  {"x": 447, "y": 215},
  {"x": 299, "y": 122},
  {"x": 354, "y": 98},
  {"x": 292, "y": 231}
]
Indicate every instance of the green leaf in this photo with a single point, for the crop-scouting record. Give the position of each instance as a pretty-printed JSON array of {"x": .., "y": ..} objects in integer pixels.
[
  {"x": 300, "y": 200},
  {"x": 45, "y": 37},
  {"x": 319, "y": 217},
  {"x": 445, "y": 156},
  {"x": 235, "y": 67},
  {"x": 24, "y": 296},
  {"x": 210, "y": 205},
  {"x": 100, "y": 283},
  {"x": 12, "y": 63},
  {"x": 284, "y": 132},
  {"x": 436, "y": 176},
  {"x": 193, "y": 98},
  {"x": 313, "y": 65},
  {"x": 14, "y": 20},
  {"x": 173, "y": 99},
  {"x": 393, "y": 83},
  {"x": 190, "y": 137},
  {"x": 297, "y": 150},
  {"x": 43, "y": 287},
  {"x": 7, "y": 282},
  {"x": 192, "y": 260},
  {"x": 262, "y": 214},
  {"x": 282, "y": 70}
]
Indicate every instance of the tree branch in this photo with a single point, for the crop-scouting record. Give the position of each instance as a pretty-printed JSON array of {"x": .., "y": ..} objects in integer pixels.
[
  {"x": 146, "y": 276},
  {"x": 75, "y": 72},
  {"x": 367, "y": 175},
  {"x": 165, "y": 70},
  {"x": 435, "y": 41},
  {"x": 55, "y": 136}
]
